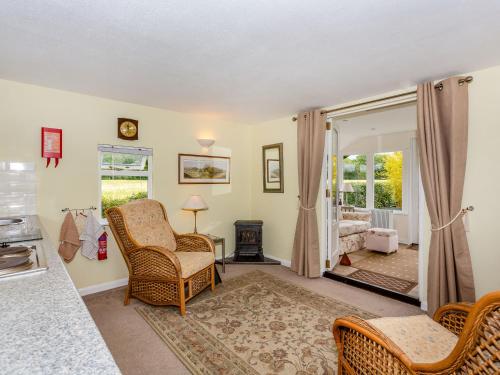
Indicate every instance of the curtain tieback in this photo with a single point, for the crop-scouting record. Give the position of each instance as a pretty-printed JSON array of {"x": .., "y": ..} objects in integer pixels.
[
  {"x": 460, "y": 213},
  {"x": 307, "y": 208}
]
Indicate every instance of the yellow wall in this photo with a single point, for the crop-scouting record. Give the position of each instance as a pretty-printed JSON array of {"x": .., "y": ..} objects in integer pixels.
[
  {"x": 279, "y": 211},
  {"x": 88, "y": 121},
  {"x": 482, "y": 178}
]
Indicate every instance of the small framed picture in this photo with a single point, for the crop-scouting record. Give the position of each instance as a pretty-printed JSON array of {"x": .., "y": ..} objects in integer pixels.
[
  {"x": 204, "y": 169},
  {"x": 273, "y": 170}
]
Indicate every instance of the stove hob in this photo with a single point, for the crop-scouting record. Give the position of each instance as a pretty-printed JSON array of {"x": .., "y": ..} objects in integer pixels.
[
  {"x": 21, "y": 259},
  {"x": 15, "y": 251},
  {"x": 14, "y": 264}
]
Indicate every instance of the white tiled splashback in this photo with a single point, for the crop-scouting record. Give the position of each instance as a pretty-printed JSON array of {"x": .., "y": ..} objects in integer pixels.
[{"x": 17, "y": 188}]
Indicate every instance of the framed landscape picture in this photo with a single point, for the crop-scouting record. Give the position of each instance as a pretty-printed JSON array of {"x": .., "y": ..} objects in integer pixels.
[
  {"x": 273, "y": 170},
  {"x": 204, "y": 169}
]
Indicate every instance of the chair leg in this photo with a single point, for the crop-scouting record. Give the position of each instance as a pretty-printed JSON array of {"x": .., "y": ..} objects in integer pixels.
[
  {"x": 212, "y": 277},
  {"x": 182, "y": 298},
  {"x": 127, "y": 295}
]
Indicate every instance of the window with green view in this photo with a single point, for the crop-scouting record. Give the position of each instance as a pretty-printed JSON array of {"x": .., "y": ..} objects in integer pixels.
[
  {"x": 355, "y": 174},
  {"x": 388, "y": 184},
  {"x": 125, "y": 175}
]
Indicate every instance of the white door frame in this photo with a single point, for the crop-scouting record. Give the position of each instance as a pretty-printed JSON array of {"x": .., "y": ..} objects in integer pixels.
[
  {"x": 328, "y": 212},
  {"x": 326, "y": 202}
]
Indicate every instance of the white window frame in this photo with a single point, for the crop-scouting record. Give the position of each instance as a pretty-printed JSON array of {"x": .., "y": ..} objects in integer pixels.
[
  {"x": 124, "y": 150},
  {"x": 370, "y": 179}
]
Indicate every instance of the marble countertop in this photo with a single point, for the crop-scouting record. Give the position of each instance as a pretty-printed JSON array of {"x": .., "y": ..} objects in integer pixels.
[{"x": 45, "y": 327}]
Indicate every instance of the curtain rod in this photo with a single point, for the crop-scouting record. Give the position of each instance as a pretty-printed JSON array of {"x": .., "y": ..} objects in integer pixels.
[{"x": 438, "y": 86}]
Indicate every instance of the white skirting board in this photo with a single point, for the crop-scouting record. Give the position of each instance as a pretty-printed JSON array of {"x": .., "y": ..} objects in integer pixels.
[
  {"x": 102, "y": 287},
  {"x": 284, "y": 262}
]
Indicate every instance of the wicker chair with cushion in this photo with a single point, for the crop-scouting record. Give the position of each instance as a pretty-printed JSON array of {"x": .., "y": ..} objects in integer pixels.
[
  {"x": 165, "y": 268},
  {"x": 462, "y": 339}
]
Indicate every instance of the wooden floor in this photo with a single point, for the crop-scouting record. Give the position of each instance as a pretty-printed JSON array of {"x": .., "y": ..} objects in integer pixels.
[{"x": 138, "y": 350}]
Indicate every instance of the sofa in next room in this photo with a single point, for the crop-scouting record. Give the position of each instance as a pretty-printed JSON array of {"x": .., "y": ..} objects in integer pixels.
[{"x": 353, "y": 228}]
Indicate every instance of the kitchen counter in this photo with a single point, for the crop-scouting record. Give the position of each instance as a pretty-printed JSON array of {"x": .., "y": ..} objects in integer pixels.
[{"x": 45, "y": 328}]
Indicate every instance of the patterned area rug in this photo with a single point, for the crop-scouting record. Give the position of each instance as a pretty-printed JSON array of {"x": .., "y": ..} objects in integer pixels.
[
  {"x": 253, "y": 324},
  {"x": 384, "y": 281}
]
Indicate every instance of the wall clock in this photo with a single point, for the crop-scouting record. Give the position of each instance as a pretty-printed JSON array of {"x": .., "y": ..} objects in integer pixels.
[{"x": 128, "y": 129}]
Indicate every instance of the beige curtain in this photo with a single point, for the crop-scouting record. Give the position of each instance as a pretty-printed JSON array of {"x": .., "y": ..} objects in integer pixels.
[
  {"x": 311, "y": 129},
  {"x": 442, "y": 136}
]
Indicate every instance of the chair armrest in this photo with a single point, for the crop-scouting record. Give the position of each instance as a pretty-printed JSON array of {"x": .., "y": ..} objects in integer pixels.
[
  {"x": 453, "y": 316},
  {"x": 194, "y": 242},
  {"x": 362, "y": 347},
  {"x": 154, "y": 261}
]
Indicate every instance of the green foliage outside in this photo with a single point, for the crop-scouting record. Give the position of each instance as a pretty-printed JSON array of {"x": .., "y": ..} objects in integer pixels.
[
  {"x": 116, "y": 192},
  {"x": 384, "y": 197},
  {"x": 388, "y": 182},
  {"x": 358, "y": 197},
  {"x": 394, "y": 174},
  {"x": 354, "y": 167}
]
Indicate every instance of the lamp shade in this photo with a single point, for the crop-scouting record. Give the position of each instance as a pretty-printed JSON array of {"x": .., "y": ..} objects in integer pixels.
[
  {"x": 195, "y": 203},
  {"x": 206, "y": 142},
  {"x": 347, "y": 188}
]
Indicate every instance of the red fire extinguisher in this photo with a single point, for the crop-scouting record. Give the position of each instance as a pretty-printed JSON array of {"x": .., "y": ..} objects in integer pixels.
[{"x": 102, "y": 253}]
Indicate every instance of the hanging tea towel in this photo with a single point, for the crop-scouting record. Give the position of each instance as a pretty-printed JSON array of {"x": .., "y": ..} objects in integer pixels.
[
  {"x": 90, "y": 237},
  {"x": 68, "y": 238}
]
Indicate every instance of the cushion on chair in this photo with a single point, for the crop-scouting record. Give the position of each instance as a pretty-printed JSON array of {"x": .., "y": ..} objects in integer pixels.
[
  {"x": 192, "y": 261},
  {"x": 422, "y": 339},
  {"x": 147, "y": 225}
]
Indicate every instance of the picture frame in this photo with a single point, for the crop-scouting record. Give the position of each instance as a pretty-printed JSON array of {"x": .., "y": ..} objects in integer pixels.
[
  {"x": 203, "y": 169},
  {"x": 272, "y": 168}
]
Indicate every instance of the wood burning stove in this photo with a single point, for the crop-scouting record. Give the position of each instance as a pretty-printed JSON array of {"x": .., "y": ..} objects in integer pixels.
[{"x": 248, "y": 240}]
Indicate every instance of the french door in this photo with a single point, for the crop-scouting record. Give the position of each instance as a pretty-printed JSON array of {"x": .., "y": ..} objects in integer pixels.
[{"x": 331, "y": 196}]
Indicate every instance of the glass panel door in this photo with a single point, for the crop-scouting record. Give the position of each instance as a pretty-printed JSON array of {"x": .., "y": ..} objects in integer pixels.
[{"x": 333, "y": 211}]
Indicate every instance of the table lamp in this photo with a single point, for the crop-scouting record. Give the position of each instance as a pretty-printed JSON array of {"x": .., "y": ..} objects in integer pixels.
[
  {"x": 347, "y": 188},
  {"x": 195, "y": 203}
]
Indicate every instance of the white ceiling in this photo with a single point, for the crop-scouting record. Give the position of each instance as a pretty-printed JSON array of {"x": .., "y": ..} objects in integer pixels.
[
  {"x": 247, "y": 60},
  {"x": 402, "y": 118}
]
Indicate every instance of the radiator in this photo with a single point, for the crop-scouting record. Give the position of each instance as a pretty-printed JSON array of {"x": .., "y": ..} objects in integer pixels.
[{"x": 382, "y": 219}]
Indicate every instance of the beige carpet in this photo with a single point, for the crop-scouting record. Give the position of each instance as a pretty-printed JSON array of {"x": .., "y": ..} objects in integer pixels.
[
  {"x": 254, "y": 324},
  {"x": 138, "y": 350}
]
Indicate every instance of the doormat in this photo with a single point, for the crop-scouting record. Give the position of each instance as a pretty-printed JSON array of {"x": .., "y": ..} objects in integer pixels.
[{"x": 383, "y": 281}]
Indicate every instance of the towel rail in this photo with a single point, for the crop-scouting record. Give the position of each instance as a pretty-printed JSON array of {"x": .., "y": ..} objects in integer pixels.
[{"x": 78, "y": 209}]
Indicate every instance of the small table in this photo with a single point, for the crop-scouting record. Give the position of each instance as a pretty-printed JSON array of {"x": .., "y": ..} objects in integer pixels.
[{"x": 220, "y": 240}]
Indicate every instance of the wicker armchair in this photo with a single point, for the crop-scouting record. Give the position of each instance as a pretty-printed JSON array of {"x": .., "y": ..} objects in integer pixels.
[
  {"x": 165, "y": 268},
  {"x": 462, "y": 339}
]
